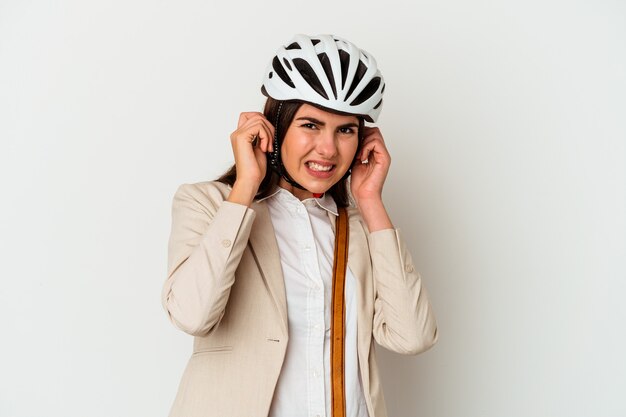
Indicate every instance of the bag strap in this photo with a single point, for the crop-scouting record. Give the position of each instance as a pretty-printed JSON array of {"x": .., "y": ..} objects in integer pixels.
[{"x": 337, "y": 331}]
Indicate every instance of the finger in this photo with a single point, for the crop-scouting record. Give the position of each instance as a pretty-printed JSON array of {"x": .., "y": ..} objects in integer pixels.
[
  {"x": 258, "y": 151},
  {"x": 373, "y": 139},
  {"x": 374, "y": 149},
  {"x": 368, "y": 131},
  {"x": 258, "y": 134},
  {"x": 365, "y": 151},
  {"x": 271, "y": 131},
  {"x": 245, "y": 116},
  {"x": 358, "y": 163},
  {"x": 255, "y": 121},
  {"x": 265, "y": 138},
  {"x": 249, "y": 130},
  {"x": 373, "y": 135}
]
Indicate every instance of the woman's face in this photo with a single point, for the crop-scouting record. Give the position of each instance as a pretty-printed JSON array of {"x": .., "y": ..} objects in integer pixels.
[{"x": 318, "y": 149}]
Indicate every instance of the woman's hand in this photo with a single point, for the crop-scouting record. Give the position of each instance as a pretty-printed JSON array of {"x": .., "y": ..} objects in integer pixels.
[
  {"x": 251, "y": 141},
  {"x": 367, "y": 180}
]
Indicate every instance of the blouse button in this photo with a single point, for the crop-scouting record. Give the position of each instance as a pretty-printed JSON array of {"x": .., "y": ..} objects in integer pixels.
[
  {"x": 226, "y": 243},
  {"x": 408, "y": 268}
]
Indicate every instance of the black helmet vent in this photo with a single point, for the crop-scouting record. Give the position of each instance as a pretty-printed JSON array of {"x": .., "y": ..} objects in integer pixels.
[
  {"x": 358, "y": 76},
  {"x": 329, "y": 71},
  {"x": 281, "y": 72},
  {"x": 344, "y": 59},
  {"x": 309, "y": 76},
  {"x": 367, "y": 92}
]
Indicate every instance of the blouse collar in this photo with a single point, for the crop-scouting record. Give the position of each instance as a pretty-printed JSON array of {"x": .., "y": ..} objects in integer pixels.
[{"x": 325, "y": 202}]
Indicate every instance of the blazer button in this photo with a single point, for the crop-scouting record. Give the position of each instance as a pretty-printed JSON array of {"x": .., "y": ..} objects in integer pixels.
[
  {"x": 226, "y": 243},
  {"x": 408, "y": 268}
]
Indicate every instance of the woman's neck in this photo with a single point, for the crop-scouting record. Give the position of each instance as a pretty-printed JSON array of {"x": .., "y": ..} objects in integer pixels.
[{"x": 297, "y": 192}]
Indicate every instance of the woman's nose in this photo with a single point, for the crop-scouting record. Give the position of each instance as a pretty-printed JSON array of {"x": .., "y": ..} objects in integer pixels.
[{"x": 326, "y": 145}]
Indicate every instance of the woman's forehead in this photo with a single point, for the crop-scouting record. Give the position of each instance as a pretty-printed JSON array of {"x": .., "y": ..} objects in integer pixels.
[{"x": 307, "y": 110}]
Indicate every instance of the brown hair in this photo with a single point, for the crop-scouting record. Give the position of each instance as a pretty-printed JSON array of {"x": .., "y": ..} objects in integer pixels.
[{"x": 339, "y": 191}]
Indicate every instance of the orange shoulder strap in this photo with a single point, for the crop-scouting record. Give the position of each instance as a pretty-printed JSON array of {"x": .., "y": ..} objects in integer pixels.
[{"x": 337, "y": 331}]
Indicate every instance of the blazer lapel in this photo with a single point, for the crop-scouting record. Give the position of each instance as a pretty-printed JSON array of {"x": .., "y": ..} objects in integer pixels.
[{"x": 266, "y": 252}]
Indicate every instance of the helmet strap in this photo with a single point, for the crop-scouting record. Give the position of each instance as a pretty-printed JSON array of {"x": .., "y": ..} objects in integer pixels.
[{"x": 290, "y": 180}]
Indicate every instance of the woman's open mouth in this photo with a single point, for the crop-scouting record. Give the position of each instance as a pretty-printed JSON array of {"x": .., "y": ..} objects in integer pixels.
[{"x": 320, "y": 169}]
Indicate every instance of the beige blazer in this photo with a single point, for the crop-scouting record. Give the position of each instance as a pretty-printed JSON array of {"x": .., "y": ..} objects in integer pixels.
[{"x": 225, "y": 287}]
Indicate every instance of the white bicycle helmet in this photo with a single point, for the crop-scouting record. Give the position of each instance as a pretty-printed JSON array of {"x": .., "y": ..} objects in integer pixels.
[{"x": 328, "y": 71}]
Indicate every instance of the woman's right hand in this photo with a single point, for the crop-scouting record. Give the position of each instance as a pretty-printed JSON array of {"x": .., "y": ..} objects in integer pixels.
[{"x": 250, "y": 155}]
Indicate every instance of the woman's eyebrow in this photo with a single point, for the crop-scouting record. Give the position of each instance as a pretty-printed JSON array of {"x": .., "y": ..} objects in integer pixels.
[
  {"x": 312, "y": 120},
  {"x": 319, "y": 122}
]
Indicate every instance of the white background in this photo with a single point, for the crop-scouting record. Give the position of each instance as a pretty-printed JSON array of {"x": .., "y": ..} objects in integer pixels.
[{"x": 506, "y": 125}]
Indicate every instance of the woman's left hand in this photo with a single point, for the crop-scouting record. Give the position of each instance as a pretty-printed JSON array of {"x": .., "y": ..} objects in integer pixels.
[{"x": 368, "y": 178}]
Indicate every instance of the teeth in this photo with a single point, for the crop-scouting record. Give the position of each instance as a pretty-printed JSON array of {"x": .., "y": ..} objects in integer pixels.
[{"x": 318, "y": 167}]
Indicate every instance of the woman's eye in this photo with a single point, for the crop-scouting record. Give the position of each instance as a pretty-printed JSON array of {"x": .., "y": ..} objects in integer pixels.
[
  {"x": 309, "y": 125},
  {"x": 347, "y": 130}
]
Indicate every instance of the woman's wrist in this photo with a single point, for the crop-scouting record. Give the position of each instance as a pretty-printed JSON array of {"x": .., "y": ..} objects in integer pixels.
[
  {"x": 242, "y": 193},
  {"x": 374, "y": 214}
]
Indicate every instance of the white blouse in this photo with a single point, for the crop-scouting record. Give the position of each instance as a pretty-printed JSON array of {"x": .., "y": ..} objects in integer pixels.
[{"x": 306, "y": 242}]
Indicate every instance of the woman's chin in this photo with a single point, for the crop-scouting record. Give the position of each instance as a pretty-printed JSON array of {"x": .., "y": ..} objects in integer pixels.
[
  {"x": 319, "y": 186},
  {"x": 315, "y": 188}
]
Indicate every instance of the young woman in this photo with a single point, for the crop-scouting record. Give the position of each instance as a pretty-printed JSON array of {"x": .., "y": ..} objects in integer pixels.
[{"x": 251, "y": 254}]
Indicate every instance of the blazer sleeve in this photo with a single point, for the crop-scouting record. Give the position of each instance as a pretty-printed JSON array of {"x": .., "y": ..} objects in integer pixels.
[
  {"x": 404, "y": 321},
  {"x": 207, "y": 240}
]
